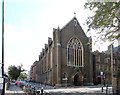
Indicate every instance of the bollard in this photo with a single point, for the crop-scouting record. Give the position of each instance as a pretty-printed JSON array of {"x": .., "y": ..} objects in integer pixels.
[
  {"x": 102, "y": 88},
  {"x": 34, "y": 89},
  {"x": 117, "y": 93},
  {"x": 30, "y": 88},
  {"x": 106, "y": 89},
  {"x": 42, "y": 91},
  {"x": 26, "y": 86}
]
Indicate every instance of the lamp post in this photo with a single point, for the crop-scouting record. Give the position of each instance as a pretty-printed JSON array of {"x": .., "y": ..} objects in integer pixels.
[
  {"x": 3, "y": 91},
  {"x": 101, "y": 73},
  {"x": 112, "y": 62}
]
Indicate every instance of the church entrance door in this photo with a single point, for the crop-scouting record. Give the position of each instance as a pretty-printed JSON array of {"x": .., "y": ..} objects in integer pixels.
[{"x": 78, "y": 79}]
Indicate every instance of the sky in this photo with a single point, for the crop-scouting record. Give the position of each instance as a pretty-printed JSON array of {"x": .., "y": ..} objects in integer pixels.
[{"x": 29, "y": 23}]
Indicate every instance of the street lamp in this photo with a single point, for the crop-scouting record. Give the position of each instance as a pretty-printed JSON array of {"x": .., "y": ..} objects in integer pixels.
[
  {"x": 112, "y": 62},
  {"x": 101, "y": 73},
  {"x": 3, "y": 91}
]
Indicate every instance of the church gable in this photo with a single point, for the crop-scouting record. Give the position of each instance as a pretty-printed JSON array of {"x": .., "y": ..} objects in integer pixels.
[{"x": 73, "y": 29}]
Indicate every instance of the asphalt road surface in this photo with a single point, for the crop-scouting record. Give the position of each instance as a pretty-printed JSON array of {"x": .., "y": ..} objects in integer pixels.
[{"x": 14, "y": 90}]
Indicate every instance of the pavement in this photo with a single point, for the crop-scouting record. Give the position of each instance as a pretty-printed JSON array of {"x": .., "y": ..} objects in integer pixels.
[
  {"x": 78, "y": 90},
  {"x": 74, "y": 89},
  {"x": 14, "y": 90}
]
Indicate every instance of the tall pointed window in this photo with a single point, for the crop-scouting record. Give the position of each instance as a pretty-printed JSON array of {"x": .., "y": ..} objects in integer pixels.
[{"x": 74, "y": 53}]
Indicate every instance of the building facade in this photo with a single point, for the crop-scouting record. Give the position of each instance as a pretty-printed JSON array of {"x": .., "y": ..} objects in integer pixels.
[
  {"x": 116, "y": 71},
  {"x": 107, "y": 64},
  {"x": 101, "y": 68},
  {"x": 66, "y": 58}
]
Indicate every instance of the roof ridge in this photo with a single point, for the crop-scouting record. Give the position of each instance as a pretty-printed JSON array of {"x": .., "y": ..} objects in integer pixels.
[{"x": 68, "y": 23}]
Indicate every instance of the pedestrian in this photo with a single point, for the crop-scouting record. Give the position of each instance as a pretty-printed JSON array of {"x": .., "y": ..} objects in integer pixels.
[
  {"x": 54, "y": 86},
  {"x": 104, "y": 82},
  {"x": 41, "y": 90}
]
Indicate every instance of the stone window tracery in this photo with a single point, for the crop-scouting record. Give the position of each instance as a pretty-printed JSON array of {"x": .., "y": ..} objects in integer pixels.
[{"x": 74, "y": 53}]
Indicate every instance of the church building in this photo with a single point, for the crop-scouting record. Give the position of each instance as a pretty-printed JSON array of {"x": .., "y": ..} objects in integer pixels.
[{"x": 65, "y": 60}]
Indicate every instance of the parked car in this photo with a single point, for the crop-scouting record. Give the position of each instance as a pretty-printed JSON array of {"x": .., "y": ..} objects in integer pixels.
[{"x": 17, "y": 83}]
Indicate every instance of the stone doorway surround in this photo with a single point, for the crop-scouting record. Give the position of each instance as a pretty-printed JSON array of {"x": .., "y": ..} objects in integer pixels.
[{"x": 78, "y": 79}]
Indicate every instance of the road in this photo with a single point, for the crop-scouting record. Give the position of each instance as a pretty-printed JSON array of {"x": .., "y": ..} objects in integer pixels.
[{"x": 14, "y": 90}]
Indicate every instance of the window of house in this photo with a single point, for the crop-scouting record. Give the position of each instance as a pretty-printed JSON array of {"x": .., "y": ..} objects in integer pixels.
[
  {"x": 74, "y": 53},
  {"x": 98, "y": 59}
]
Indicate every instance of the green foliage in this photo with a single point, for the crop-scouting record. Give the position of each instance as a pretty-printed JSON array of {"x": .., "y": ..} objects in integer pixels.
[
  {"x": 22, "y": 76},
  {"x": 90, "y": 43},
  {"x": 14, "y": 71},
  {"x": 106, "y": 18}
]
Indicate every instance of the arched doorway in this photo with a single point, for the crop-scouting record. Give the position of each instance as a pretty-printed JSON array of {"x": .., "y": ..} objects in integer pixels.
[{"x": 78, "y": 79}]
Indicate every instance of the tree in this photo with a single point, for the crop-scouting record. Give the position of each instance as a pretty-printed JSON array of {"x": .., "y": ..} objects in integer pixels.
[
  {"x": 22, "y": 76},
  {"x": 106, "y": 18},
  {"x": 14, "y": 71}
]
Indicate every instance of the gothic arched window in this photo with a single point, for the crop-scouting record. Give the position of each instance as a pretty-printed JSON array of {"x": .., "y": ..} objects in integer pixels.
[{"x": 74, "y": 53}]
